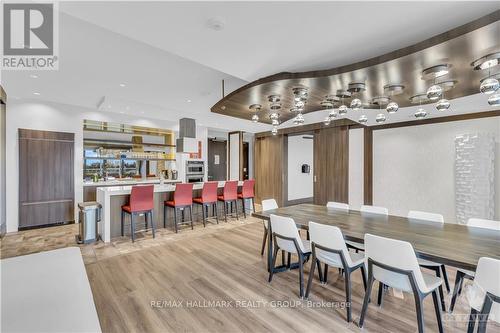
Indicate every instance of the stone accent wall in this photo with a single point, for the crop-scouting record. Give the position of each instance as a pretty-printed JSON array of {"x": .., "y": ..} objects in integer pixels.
[{"x": 474, "y": 176}]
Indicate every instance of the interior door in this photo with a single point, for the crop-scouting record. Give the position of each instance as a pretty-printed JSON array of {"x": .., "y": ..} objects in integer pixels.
[
  {"x": 331, "y": 165},
  {"x": 217, "y": 161}
]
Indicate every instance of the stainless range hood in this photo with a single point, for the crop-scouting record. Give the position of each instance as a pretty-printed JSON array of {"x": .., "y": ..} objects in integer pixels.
[{"x": 186, "y": 143}]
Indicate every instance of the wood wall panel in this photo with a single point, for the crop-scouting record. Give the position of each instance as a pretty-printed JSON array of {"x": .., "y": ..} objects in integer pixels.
[
  {"x": 46, "y": 178},
  {"x": 368, "y": 166},
  {"x": 331, "y": 165},
  {"x": 268, "y": 168}
]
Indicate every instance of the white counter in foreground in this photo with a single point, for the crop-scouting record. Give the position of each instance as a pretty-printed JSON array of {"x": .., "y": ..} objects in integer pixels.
[
  {"x": 47, "y": 292},
  {"x": 104, "y": 195}
]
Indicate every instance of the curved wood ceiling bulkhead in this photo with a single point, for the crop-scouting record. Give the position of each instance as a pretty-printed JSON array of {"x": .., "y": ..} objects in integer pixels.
[{"x": 458, "y": 48}]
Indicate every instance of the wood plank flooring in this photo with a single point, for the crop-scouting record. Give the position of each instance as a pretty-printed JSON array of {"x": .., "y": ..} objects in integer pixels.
[{"x": 214, "y": 280}]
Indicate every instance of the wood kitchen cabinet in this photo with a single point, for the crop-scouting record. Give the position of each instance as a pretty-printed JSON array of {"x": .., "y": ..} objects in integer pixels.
[{"x": 46, "y": 178}]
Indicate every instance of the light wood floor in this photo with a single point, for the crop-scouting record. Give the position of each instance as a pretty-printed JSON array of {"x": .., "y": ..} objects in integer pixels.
[{"x": 167, "y": 284}]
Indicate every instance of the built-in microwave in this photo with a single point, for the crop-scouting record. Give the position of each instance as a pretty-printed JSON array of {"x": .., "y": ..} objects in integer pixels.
[{"x": 195, "y": 168}]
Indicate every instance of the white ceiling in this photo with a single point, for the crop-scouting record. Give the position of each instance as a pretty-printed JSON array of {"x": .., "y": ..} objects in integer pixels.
[
  {"x": 165, "y": 54},
  {"x": 264, "y": 38}
]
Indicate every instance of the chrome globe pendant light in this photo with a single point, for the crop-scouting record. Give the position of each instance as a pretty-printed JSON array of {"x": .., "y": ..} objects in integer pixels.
[
  {"x": 380, "y": 117},
  {"x": 392, "y": 90},
  {"x": 342, "y": 108},
  {"x": 274, "y": 131},
  {"x": 434, "y": 92},
  {"x": 494, "y": 100},
  {"x": 363, "y": 119},
  {"x": 488, "y": 85},
  {"x": 327, "y": 121},
  {"x": 443, "y": 104},
  {"x": 255, "y": 108},
  {"x": 355, "y": 88},
  {"x": 392, "y": 107},
  {"x": 420, "y": 113}
]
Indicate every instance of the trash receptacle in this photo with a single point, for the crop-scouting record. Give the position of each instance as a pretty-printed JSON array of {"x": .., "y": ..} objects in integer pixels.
[{"x": 88, "y": 216}]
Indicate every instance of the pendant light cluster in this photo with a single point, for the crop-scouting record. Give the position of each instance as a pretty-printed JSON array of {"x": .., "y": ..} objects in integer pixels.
[
  {"x": 437, "y": 90},
  {"x": 490, "y": 84},
  {"x": 274, "y": 108},
  {"x": 255, "y": 108},
  {"x": 300, "y": 95},
  {"x": 329, "y": 104}
]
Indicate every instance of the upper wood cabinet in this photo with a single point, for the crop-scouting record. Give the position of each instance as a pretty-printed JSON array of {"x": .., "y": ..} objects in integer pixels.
[{"x": 46, "y": 178}]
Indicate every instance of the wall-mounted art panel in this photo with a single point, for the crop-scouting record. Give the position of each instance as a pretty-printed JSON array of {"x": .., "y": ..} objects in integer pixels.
[{"x": 474, "y": 176}]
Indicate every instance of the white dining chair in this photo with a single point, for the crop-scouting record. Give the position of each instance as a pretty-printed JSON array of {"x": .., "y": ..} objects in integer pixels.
[
  {"x": 464, "y": 273},
  {"x": 393, "y": 263},
  {"x": 337, "y": 205},
  {"x": 286, "y": 238},
  {"x": 484, "y": 295},
  {"x": 267, "y": 204},
  {"x": 328, "y": 247},
  {"x": 419, "y": 216},
  {"x": 367, "y": 210}
]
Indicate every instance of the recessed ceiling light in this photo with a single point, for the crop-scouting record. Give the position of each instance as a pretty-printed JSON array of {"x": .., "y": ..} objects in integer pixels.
[
  {"x": 189, "y": 101},
  {"x": 36, "y": 93},
  {"x": 486, "y": 62},
  {"x": 216, "y": 24},
  {"x": 435, "y": 71},
  {"x": 122, "y": 85},
  {"x": 33, "y": 76}
]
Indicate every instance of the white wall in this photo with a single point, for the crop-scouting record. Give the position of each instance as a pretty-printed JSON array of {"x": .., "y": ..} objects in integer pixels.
[
  {"x": 356, "y": 160},
  {"x": 64, "y": 118},
  {"x": 413, "y": 167},
  {"x": 300, "y": 151}
]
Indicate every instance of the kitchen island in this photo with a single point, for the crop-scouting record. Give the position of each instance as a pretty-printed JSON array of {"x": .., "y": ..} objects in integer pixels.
[
  {"x": 113, "y": 197},
  {"x": 90, "y": 187}
]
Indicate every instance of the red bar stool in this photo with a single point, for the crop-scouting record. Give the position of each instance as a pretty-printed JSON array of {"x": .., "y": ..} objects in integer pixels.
[
  {"x": 208, "y": 198},
  {"x": 141, "y": 202},
  {"x": 229, "y": 195},
  {"x": 247, "y": 192},
  {"x": 183, "y": 198}
]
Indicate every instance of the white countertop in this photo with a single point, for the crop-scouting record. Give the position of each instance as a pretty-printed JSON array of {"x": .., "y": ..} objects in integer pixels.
[
  {"x": 47, "y": 292},
  {"x": 117, "y": 182},
  {"x": 123, "y": 190}
]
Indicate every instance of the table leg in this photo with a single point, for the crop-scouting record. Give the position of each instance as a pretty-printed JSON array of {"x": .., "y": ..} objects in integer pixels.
[{"x": 269, "y": 246}]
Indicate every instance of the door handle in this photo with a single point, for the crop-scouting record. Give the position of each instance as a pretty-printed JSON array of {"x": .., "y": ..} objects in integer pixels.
[{"x": 315, "y": 178}]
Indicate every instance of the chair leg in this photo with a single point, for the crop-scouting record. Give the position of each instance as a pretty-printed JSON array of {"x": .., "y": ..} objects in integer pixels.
[
  {"x": 153, "y": 227},
  {"x": 123, "y": 222},
  {"x": 225, "y": 211},
  {"x": 420, "y": 314},
  {"x": 363, "y": 275},
  {"x": 164, "y": 216},
  {"x": 320, "y": 271},
  {"x": 437, "y": 310},
  {"x": 441, "y": 292},
  {"x": 203, "y": 214},
  {"x": 301, "y": 276},
  {"x": 263, "y": 242},
  {"x": 289, "y": 260},
  {"x": 380, "y": 293},
  {"x": 175, "y": 220},
  {"x": 191, "y": 216},
  {"x": 253, "y": 204},
  {"x": 445, "y": 278},
  {"x": 132, "y": 227},
  {"x": 244, "y": 210},
  {"x": 472, "y": 320},
  {"x": 314, "y": 262},
  {"x": 348, "y": 294},
  {"x": 459, "y": 278},
  {"x": 366, "y": 299},
  {"x": 236, "y": 204},
  {"x": 216, "y": 213},
  {"x": 325, "y": 274},
  {"x": 271, "y": 270}
]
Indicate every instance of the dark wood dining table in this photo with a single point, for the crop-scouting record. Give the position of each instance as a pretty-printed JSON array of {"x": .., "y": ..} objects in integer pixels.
[{"x": 450, "y": 244}]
